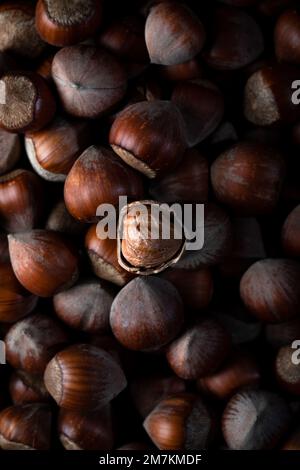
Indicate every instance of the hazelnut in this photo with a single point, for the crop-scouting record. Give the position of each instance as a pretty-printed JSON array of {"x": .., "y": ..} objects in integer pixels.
[
  {"x": 104, "y": 178},
  {"x": 243, "y": 167},
  {"x": 83, "y": 378},
  {"x": 149, "y": 136},
  {"x": 180, "y": 422},
  {"x": 173, "y": 34},
  {"x": 268, "y": 96},
  {"x": 92, "y": 88},
  {"x": 21, "y": 201},
  {"x": 18, "y": 33},
  {"x": 164, "y": 319},
  {"x": 43, "y": 261},
  {"x": 33, "y": 341},
  {"x": 85, "y": 306},
  {"x": 255, "y": 420},
  {"x": 86, "y": 431},
  {"x": 53, "y": 150},
  {"x": 144, "y": 247},
  {"x": 269, "y": 289},
  {"x": 65, "y": 23},
  {"x": 25, "y": 427},
  {"x": 199, "y": 351},
  {"x": 34, "y": 111},
  {"x": 103, "y": 257},
  {"x": 236, "y": 39},
  {"x": 15, "y": 301}
]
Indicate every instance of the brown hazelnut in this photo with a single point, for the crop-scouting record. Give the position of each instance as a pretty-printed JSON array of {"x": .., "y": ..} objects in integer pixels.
[
  {"x": 24, "y": 388},
  {"x": 236, "y": 39},
  {"x": 195, "y": 286},
  {"x": 270, "y": 290},
  {"x": 25, "y": 427},
  {"x": 85, "y": 306},
  {"x": 149, "y": 136},
  {"x": 255, "y": 420},
  {"x": 15, "y": 301},
  {"x": 202, "y": 107},
  {"x": 199, "y": 351},
  {"x": 83, "y": 378},
  {"x": 21, "y": 201},
  {"x": 43, "y": 261},
  {"x": 180, "y": 422},
  {"x": 102, "y": 179},
  {"x": 139, "y": 331},
  {"x": 149, "y": 241},
  {"x": 243, "y": 167},
  {"x": 86, "y": 431},
  {"x": 291, "y": 233},
  {"x": 33, "y": 341},
  {"x": 103, "y": 256},
  {"x": 188, "y": 182},
  {"x": 268, "y": 96},
  {"x": 239, "y": 371},
  {"x": 53, "y": 150},
  {"x": 65, "y": 23},
  {"x": 18, "y": 33},
  {"x": 10, "y": 151},
  {"x": 89, "y": 80},
  {"x": 173, "y": 34},
  {"x": 34, "y": 111}
]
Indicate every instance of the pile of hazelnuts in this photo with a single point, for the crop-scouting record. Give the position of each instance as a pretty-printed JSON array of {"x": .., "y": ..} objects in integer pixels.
[{"x": 140, "y": 343}]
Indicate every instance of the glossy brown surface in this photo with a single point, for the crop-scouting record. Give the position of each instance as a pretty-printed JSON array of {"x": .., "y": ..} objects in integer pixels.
[
  {"x": 149, "y": 136},
  {"x": 104, "y": 177},
  {"x": 43, "y": 261},
  {"x": 100, "y": 378},
  {"x": 25, "y": 427},
  {"x": 21, "y": 201},
  {"x": 269, "y": 291},
  {"x": 65, "y": 23}
]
